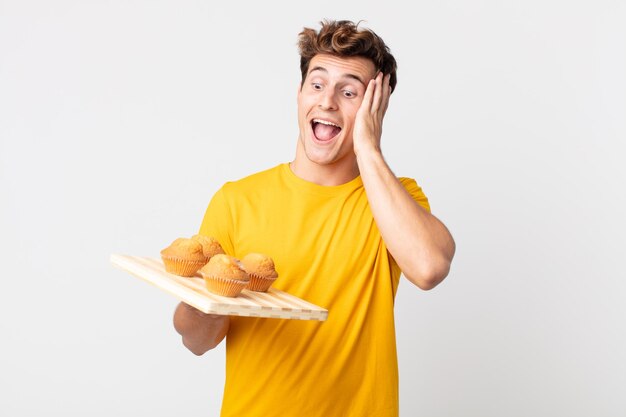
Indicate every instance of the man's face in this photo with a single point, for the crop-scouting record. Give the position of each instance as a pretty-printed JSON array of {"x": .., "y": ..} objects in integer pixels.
[{"x": 327, "y": 105}]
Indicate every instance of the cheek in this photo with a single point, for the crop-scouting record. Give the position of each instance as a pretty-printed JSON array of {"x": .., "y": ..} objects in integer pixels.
[
  {"x": 304, "y": 106},
  {"x": 355, "y": 105},
  {"x": 351, "y": 115}
]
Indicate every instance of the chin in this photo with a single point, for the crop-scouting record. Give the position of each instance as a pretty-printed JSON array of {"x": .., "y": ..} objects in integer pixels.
[
  {"x": 325, "y": 154},
  {"x": 320, "y": 159},
  {"x": 327, "y": 158}
]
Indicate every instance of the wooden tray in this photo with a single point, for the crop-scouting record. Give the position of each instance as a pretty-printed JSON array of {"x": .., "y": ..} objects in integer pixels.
[{"x": 272, "y": 304}]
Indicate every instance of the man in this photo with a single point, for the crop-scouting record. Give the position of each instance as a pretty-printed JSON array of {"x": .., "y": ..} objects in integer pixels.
[{"x": 340, "y": 227}]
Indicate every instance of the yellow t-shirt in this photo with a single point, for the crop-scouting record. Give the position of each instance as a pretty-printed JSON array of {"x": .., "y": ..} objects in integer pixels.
[{"x": 328, "y": 251}]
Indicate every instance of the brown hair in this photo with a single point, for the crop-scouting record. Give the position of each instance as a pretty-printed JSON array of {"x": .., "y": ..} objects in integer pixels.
[{"x": 343, "y": 38}]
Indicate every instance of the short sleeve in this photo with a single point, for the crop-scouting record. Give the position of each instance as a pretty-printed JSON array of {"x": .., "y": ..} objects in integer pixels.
[
  {"x": 416, "y": 192},
  {"x": 218, "y": 221}
]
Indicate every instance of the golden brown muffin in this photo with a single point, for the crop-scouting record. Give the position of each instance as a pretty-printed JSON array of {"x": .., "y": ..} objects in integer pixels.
[
  {"x": 261, "y": 269},
  {"x": 224, "y": 275},
  {"x": 210, "y": 245},
  {"x": 183, "y": 257}
]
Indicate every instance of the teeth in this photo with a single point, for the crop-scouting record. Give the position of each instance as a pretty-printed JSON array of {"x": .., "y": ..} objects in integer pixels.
[{"x": 324, "y": 122}]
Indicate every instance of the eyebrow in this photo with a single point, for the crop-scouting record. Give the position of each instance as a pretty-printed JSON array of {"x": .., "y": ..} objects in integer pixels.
[{"x": 346, "y": 75}]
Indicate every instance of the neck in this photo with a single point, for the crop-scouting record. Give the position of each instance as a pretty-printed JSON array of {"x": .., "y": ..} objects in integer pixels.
[{"x": 335, "y": 173}]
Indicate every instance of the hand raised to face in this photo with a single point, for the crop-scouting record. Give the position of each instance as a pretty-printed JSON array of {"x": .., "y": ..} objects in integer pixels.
[{"x": 368, "y": 125}]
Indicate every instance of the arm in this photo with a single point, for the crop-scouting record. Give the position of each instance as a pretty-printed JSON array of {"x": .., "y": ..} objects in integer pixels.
[
  {"x": 420, "y": 243},
  {"x": 201, "y": 332}
]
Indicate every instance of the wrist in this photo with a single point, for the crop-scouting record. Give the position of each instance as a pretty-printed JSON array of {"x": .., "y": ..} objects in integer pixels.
[{"x": 367, "y": 153}]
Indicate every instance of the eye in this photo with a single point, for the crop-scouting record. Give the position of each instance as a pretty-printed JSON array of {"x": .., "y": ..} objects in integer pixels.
[
  {"x": 349, "y": 94},
  {"x": 316, "y": 86}
]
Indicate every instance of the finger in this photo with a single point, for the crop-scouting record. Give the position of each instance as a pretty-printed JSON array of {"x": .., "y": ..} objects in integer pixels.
[
  {"x": 377, "y": 93},
  {"x": 367, "y": 97},
  {"x": 191, "y": 309},
  {"x": 386, "y": 93}
]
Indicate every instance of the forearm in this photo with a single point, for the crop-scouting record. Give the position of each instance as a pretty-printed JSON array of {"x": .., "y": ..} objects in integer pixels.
[
  {"x": 421, "y": 244},
  {"x": 200, "y": 332}
]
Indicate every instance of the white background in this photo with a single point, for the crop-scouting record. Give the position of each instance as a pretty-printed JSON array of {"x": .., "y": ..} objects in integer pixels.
[{"x": 120, "y": 119}]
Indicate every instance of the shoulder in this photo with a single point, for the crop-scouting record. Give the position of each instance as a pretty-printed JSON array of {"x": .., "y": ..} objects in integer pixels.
[
  {"x": 230, "y": 198},
  {"x": 254, "y": 181}
]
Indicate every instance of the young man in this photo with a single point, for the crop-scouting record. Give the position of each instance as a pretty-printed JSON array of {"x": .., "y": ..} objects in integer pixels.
[{"x": 340, "y": 227}]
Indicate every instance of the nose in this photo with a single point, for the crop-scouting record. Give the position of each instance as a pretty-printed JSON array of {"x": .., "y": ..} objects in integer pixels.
[{"x": 328, "y": 100}]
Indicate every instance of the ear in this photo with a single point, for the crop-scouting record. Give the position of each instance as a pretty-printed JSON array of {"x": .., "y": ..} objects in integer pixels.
[{"x": 299, "y": 92}]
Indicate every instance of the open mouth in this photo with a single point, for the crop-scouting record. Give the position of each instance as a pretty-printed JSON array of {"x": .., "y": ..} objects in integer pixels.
[{"x": 323, "y": 130}]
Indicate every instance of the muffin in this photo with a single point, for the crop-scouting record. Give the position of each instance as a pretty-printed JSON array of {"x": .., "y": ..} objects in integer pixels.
[
  {"x": 261, "y": 270},
  {"x": 183, "y": 257},
  {"x": 210, "y": 245},
  {"x": 224, "y": 275}
]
